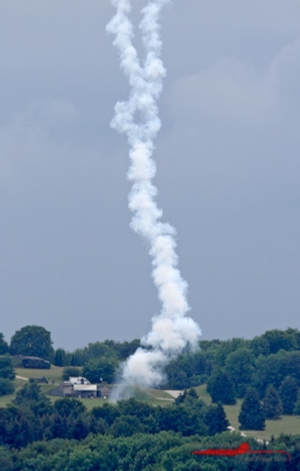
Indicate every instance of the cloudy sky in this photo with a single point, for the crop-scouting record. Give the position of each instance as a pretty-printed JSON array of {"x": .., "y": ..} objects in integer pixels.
[{"x": 228, "y": 169}]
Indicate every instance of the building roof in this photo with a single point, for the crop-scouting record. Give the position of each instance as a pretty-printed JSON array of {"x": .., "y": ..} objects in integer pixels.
[{"x": 85, "y": 387}]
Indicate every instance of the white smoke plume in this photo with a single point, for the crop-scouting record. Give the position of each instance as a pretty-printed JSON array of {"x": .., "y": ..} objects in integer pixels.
[{"x": 138, "y": 119}]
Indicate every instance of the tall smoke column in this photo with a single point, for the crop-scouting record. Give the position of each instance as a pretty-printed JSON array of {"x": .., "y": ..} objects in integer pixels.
[{"x": 138, "y": 118}]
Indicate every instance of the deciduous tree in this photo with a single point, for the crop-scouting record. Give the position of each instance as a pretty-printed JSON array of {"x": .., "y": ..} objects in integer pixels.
[
  {"x": 32, "y": 340},
  {"x": 221, "y": 388},
  {"x": 6, "y": 367}
]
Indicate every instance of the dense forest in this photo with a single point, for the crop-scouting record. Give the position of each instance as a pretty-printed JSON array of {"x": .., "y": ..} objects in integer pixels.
[{"x": 39, "y": 434}]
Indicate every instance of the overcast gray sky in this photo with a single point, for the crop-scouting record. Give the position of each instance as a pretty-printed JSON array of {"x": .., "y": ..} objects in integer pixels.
[{"x": 228, "y": 169}]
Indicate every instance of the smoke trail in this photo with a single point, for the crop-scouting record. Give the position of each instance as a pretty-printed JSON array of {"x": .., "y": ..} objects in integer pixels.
[{"x": 138, "y": 118}]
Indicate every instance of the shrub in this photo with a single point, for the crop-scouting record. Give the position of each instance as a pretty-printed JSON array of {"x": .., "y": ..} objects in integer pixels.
[
  {"x": 6, "y": 387},
  {"x": 70, "y": 371}
]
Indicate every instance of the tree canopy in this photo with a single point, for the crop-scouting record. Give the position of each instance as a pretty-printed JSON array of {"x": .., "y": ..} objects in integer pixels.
[{"x": 32, "y": 340}]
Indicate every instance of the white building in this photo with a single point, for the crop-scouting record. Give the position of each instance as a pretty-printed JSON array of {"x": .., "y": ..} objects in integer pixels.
[{"x": 78, "y": 380}]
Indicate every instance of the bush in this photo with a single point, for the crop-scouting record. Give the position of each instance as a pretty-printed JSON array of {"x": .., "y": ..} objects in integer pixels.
[
  {"x": 96, "y": 369},
  {"x": 70, "y": 371},
  {"x": 221, "y": 389},
  {"x": 6, "y": 367},
  {"x": 6, "y": 387}
]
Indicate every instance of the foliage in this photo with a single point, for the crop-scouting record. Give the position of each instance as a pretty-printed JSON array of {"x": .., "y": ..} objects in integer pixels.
[
  {"x": 221, "y": 388},
  {"x": 99, "y": 370},
  {"x": 288, "y": 394},
  {"x": 60, "y": 357},
  {"x": 31, "y": 396},
  {"x": 165, "y": 451},
  {"x": 216, "y": 419},
  {"x": 32, "y": 340},
  {"x": 69, "y": 406},
  {"x": 239, "y": 366},
  {"x": 6, "y": 367},
  {"x": 274, "y": 368},
  {"x": 272, "y": 404},
  {"x": 6, "y": 460},
  {"x": 100, "y": 350},
  {"x": 123, "y": 349},
  {"x": 78, "y": 357},
  {"x": 251, "y": 416},
  {"x": 260, "y": 346},
  {"x": 187, "y": 370},
  {"x": 6, "y": 387},
  {"x": 70, "y": 371},
  {"x": 227, "y": 347},
  {"x": 282, "y": 340},
  {"x": 3, "y": 345}
]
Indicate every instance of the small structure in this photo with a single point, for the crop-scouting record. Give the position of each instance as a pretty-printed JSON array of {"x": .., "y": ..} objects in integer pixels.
[
  {"x": 80, "y": 387},
  {"x": 85, "y": 390}
]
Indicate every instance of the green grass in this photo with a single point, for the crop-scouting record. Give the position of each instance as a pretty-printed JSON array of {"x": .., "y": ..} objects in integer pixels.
[
  {"x": 53, "y": 375},
  {"x": 203, "y": 394},
  {"x": 4, "y": 400},
  {"x": 289, "y": 424}
]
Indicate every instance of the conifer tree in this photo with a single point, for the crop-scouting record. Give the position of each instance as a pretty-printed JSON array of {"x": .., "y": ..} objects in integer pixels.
[
  {"x": 251, "y": 416},
  {"x": 216, "y": 419},
  {"x": 272, "y": 404},
  {"x": 288, "y": 394}
]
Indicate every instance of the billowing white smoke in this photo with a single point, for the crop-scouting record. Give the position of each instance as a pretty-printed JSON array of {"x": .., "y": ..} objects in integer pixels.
[{"x": 138, "y": 118}]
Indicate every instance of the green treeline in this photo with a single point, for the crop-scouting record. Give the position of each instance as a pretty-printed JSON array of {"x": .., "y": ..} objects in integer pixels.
[
  {"x": 32, "y": 417},
  {"x": 165, "y": 451}
]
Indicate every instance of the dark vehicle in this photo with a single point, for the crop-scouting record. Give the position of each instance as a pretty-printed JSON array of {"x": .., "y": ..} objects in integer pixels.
[{"x": 35, "y": 362}]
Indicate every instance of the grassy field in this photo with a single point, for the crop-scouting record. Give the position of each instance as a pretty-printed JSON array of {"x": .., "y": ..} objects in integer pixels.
[
  {"x": 53, "y": 375},
  {"x": 203, "y": 394},
  {"x": 289, "y": 424}
]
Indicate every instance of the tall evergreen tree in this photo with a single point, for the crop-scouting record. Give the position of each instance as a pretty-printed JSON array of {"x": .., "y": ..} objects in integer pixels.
[
  {"x": 272, "y": 404},
  {"x": 288, "y": 394},
  {"x": 216, "y": 419},
  {"x": 60, "y": 357},
  {"x": 252, "y": 416}
]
